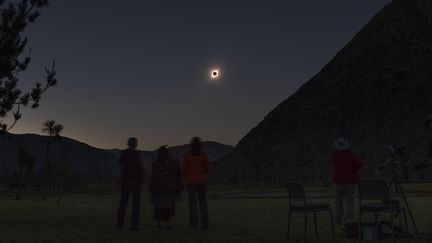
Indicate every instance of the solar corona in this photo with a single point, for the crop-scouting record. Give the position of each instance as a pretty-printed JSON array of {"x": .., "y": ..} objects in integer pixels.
[{"x": 214, "y": 74}]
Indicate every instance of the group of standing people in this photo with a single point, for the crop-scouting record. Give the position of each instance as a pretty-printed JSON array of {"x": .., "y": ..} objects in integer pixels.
[{"x": 168, "y": 178}]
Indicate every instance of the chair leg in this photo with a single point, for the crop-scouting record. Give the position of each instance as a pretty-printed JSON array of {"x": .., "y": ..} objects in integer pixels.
[
  {"x": 305, "y": 226},
  {"x": 289, "y": 225},
  {"x": 392, "y": 225},
  {"x": 359, "y": 227},
  {"x": 376, "y": 224},
  {"x": 332, "y": 224},
  {"x": 316, "y": 225}
]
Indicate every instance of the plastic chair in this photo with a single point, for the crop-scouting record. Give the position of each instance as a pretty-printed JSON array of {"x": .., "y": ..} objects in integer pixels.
[
  {"x": 298, "y": 204},
  {"x": 378, "y": 192}
]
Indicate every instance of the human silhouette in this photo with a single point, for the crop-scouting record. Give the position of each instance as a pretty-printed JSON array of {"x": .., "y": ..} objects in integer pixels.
[
  {"x": 165, "y": 186},
  {"x": 130, "y": 180},
  {"x": 195, "y": 169},
  {"x": 345, "y": 175}
]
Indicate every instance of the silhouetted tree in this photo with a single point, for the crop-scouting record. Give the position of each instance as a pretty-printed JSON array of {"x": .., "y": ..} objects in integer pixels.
[
  {"x": 61, "y": 170},
  {"x": 22, "y": 162},
  {"x": 5, "y": 172},
  {"x": 53, "y": 130},
  {"x": 26, "y": 164},
  {"x": 30, "y": 165},
  {"x": 14, "y": 19}
]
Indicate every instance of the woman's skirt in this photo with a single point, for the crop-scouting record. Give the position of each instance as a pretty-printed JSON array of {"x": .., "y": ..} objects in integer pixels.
[{"x": 164, "y": 206}]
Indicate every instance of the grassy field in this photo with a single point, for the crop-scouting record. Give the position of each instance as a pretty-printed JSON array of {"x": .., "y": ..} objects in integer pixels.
[{"x": 254, "y": 216}]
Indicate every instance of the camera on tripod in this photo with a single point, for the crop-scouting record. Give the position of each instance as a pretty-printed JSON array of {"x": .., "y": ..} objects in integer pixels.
[
  {"x": 396, "y": 164},
  {"x": 391, "y": 161},
  {"x": 395, "y": 171}
]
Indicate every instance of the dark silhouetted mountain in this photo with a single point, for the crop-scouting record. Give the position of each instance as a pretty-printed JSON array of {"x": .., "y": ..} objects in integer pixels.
[
  {"x": 80, "y": 157},
  {"x": 83, "y": 158},
  {"x": 377, "y": 90}
]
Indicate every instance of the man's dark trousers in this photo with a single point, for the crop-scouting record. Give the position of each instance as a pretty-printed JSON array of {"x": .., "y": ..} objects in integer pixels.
[
  {"x": 128, "y": 188},
  {"x": 194, "y": 191}
]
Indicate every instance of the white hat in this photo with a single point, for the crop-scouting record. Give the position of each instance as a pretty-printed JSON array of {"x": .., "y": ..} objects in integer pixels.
[{"x": 341, "y": 144}]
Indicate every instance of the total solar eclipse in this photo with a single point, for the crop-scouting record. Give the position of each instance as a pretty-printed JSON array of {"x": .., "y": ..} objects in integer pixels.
[{"x": 214, "y": 74}]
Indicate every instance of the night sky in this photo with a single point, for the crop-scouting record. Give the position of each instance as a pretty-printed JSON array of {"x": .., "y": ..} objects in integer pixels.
[{"x": 141, "y": 68}]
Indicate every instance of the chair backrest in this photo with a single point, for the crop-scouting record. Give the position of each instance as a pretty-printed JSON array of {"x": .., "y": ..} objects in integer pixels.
[
  {"x": 296, "y": 192},
  {"x": 373, "y": 190}
]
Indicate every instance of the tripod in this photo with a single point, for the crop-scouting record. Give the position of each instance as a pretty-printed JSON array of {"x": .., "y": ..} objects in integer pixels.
[{"x": 394, "y": 181}]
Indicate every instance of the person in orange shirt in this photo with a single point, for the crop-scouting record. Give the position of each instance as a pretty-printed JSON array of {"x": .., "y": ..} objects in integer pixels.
[{"x": 195, "y": 169}]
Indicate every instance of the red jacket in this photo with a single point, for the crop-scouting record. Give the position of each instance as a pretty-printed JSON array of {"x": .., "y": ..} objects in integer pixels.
[
  {"x": 195, "y": 168},
  {"x": 345, "y": 167}
]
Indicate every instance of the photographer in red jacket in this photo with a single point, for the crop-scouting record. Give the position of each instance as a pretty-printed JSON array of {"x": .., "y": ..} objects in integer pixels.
[{"x": 345, "y": 176}]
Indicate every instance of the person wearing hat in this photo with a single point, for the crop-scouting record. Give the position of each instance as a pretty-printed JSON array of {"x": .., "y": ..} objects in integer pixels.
[
  {"x": 346, "y": 166},
  {"x": 131, "y": 180}
]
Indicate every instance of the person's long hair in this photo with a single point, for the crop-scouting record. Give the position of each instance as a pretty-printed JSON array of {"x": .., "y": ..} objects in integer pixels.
[{"x": 195, "y": 147}]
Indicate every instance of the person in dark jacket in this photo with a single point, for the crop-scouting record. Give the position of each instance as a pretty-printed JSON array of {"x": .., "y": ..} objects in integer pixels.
[
  {"x": 165, "y": 186},
  {"x": 130, "y": 180},
  {"x": 195, "y": 169},
  {"x": 345, "y": 176}
]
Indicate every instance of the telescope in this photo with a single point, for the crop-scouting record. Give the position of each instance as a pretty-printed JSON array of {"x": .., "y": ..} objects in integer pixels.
[
  {"x": 422, "y": 165},
  {"x": 400, "y": 151},
  {"x": 394, "y": 154}
]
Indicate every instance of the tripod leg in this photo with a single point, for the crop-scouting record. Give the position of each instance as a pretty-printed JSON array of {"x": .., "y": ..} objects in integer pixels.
[
  {"x": 316, "y": 225},
  {"x": 376, "y": 224},
  {"x": 359, "y": 226},
  {"x": 289, "y": 225},
  {"x": 402, "y": 194},
  {"x": 305, "y": 225},
  {"x": 332, "y": 224}
]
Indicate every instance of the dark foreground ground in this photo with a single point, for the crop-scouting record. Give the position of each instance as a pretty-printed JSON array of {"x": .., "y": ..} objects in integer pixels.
[{"x": 236, "y": 216}]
